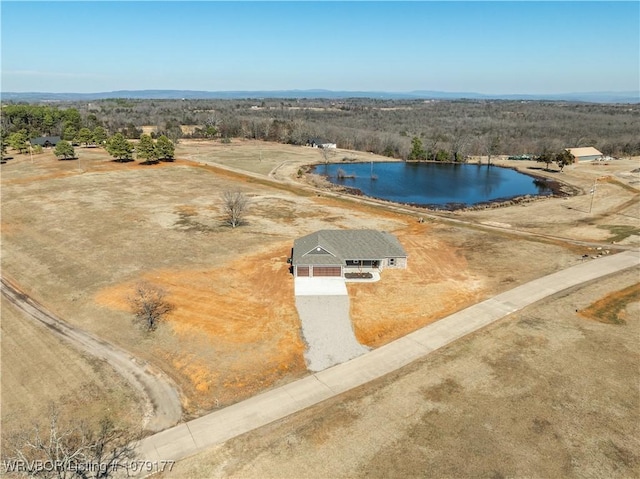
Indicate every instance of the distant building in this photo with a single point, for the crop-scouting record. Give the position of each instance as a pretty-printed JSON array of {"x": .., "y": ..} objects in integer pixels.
[
  {"x": 588, "y": 153},
  {"x": 320, "y": 143},
  {"x": 149, "y": 129},
  {"x": 45, "y": 141}
]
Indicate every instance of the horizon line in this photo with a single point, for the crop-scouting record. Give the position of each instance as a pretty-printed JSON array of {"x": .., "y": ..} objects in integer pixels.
[{"x": 318, "y": 90}]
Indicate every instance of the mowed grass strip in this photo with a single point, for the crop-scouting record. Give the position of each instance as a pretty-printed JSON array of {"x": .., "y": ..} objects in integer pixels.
[{"x": 620, "y": 232}]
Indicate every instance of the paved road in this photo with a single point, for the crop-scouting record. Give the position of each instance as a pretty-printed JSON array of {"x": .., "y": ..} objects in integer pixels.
[
  {"x": 189, "y": 438},
  {"x": 163, "y": 407}
]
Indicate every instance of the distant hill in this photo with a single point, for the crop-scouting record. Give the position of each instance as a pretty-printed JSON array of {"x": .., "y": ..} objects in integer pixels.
[{"x": 590, "y": 97}]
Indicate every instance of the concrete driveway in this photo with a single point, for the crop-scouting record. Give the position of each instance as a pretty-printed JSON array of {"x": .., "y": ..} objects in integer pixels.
[
  {"x": 320, "y": 287},
  {"x": 323, "y": 307}
]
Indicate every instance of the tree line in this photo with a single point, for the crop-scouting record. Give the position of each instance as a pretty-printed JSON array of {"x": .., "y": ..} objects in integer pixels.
[
  {"x": 450, "y": 130},
  {"x": 120, "y": 148}
]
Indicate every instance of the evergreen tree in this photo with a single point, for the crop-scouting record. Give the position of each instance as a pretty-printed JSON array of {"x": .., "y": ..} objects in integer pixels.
[
  {"x": 418, "y": 153},
  {"x": 64, "y": 149},
  {"x": 69, "y": 133},
  {"x": 146, "y": 150},
  {"x": 3, "y": 145},
  {"x": 18, "y": 141},
  {"x": 71, "y": 118},
  {"x": 99, "y": 135},
  {"x": 85, "y": 135},
  {"x": 120, "y": 148},
  {"x": 165, "y": 148},
  {"x": 443, "y": 155}
]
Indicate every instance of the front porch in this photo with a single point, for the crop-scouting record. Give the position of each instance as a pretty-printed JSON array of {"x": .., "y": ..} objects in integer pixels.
[
  {"x": 362, "y": 264},
  {"x": 362, "y": 270}
]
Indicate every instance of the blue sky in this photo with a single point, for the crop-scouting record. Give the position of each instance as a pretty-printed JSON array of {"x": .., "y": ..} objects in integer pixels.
[{"x": 484, "y": 47}]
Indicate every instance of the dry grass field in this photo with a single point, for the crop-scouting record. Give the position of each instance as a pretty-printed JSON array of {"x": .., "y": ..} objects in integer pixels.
[
  {"x": 78, "y": 235},
  {"x": 38, "y": 370},
  {"x": 543, "y": 393}
]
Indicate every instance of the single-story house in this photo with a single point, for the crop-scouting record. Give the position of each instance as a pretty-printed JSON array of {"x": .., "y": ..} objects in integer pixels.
[
  {"x": 320, "y": 143},
  {"x": 45, "y": 141},
  {"x": 588, "y": 153},
  {"x": 338, "y": 252}
]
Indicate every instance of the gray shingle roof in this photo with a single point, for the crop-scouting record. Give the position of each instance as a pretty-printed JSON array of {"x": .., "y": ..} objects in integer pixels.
[{"x": 336, "y": 246}]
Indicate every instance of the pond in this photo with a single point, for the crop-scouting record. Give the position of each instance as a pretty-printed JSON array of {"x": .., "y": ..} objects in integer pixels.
[{"x": 434, "y": 185}]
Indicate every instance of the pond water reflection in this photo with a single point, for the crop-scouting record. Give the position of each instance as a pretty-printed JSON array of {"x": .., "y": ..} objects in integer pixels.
[{"x": 437, "y": 185}]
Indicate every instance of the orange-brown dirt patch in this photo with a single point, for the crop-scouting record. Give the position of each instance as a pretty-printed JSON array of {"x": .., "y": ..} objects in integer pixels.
[
  {"x": 440, "y": 284},
  {"x": 239, "y": 321},
  {"x": 9, "y": 228},
  {"x": 611, "y": 308}
]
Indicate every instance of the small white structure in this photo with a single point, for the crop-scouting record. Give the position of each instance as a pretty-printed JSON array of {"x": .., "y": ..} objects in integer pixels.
[
  {"x": 320, "y": 143},
  {"x": 588, "y": 153}
]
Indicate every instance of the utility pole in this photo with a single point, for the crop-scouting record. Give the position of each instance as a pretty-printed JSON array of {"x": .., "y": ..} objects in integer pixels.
[{"x": 593, "y": 193}]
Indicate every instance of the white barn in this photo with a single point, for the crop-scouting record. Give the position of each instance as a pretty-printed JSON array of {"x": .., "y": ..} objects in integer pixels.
[{"x": 320, "y": 143}]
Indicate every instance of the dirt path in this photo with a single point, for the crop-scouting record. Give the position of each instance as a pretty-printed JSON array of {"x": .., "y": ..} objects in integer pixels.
[
  {"x": 444, "y": 216},
  {"x": 163, "y": 408}
]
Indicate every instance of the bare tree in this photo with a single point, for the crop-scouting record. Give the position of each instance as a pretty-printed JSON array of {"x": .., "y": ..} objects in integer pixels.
[
  {"x": 149, "y": 304},
  {"x": 492, "y": 146},
  {"x": 327, "y": 153},
  {"x": 432, "y": 148},
  {"x": 235, "y": 206},
  {"x": 459, "y": 143},
  {"x": 68, "y": 449}
]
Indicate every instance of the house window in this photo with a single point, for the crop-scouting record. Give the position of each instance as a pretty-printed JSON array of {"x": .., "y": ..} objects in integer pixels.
[{"x": 392, "y": 261}]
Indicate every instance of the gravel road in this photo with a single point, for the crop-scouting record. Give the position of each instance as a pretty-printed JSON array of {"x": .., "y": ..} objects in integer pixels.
[
  {"x": 163, "y": 407},
  {"x": 323, "y": 307}
]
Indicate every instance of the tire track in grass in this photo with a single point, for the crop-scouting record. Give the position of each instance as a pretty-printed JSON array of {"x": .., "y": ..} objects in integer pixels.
[{"x": 161, "y": 396}]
